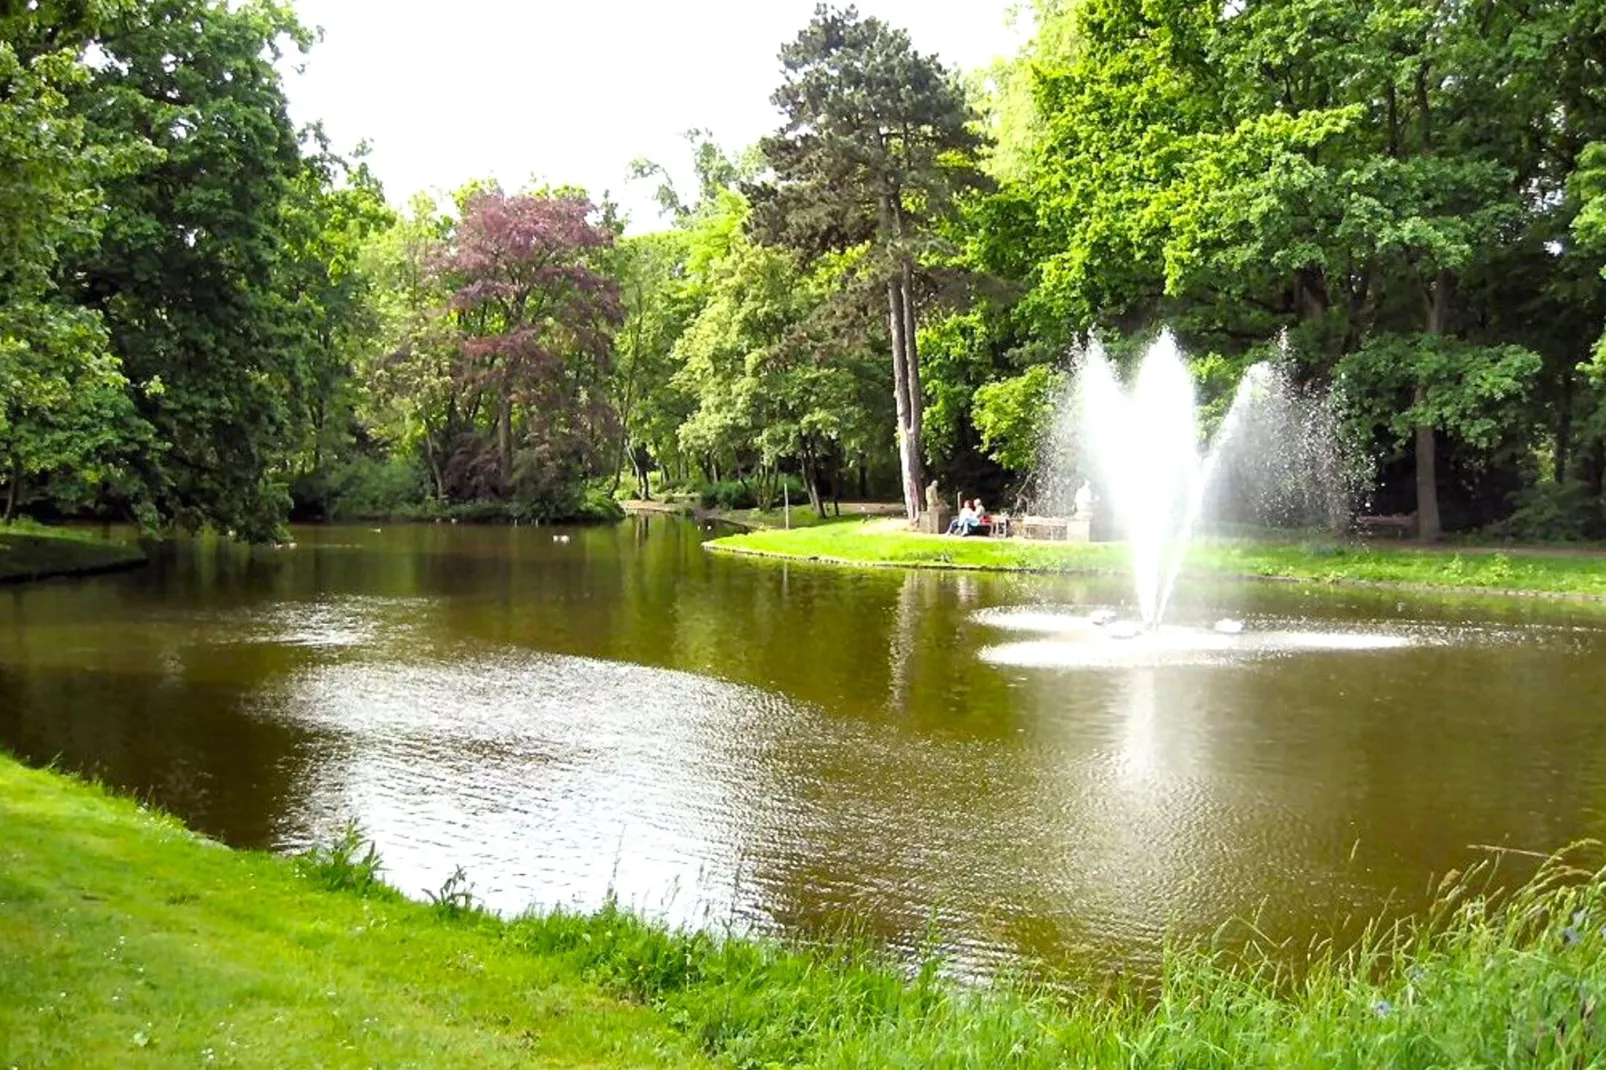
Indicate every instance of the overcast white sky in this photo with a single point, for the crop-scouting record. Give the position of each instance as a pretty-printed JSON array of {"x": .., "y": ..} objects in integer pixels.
[{"x": 570, "y": 91}]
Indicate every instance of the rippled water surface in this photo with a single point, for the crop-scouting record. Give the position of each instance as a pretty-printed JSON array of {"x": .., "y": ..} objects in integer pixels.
[{"x": 791, "y": 747}]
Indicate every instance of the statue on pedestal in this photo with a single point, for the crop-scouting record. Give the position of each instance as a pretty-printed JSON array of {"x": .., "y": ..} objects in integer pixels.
[{"x": 934, "y": 521}]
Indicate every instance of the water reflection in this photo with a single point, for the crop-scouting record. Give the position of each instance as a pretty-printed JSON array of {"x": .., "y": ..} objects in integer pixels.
[{"x": 794, "y": 746}]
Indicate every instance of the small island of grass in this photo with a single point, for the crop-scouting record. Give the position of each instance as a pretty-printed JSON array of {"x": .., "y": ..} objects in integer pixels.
[
  {"x": 1540, "y": 572},
  {"x": 35, "y": 552}
]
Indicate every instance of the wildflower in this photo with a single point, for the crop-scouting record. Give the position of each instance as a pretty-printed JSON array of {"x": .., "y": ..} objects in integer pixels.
[
  {"x": 1569, "y": 936},
  {"x": 1382, "y": 1008}
]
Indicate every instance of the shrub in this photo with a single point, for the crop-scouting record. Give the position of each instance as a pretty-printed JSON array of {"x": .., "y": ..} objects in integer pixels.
[
  {"x": 1552, "y": 512},
  {"x": 727, "y": 494},
  {"x": 599, "y": 506}
]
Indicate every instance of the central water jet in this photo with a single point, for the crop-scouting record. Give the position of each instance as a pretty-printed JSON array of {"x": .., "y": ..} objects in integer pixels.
[{"x": 1144, "y": 445}]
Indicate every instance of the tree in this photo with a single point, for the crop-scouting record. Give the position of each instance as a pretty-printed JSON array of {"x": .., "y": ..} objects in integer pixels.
[
  {"x": 410, "y": 371},
  {"x": 538, "y": 317},
  {"x": 1358, "y": 173},
  {"x": 777, "y": 359},
  {"x": 330, "y": 213},
  {"x": 66, "y": 423},
  {"x": 187, "y": 271},
  {"x": 877, "y": 143},
  {"x": 649, "y": 271}
]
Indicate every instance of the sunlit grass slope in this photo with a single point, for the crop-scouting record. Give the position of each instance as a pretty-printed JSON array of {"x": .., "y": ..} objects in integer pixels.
[
  {"x": 127, "y": 941},
  {"x": 880, "y": 543}
]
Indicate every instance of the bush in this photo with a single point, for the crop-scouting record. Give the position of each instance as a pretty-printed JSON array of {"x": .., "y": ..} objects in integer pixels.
[
  {"x": 1552, "y": 512},
  {"x": 585, "y": 504},
  {"x": 363, "y": 488},
  {"x": 727, "y": 494},
  {"x": 599, "y": 506}
]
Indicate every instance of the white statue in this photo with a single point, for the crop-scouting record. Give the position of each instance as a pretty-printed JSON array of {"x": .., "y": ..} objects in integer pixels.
[{"x": 1084, "y": 499}]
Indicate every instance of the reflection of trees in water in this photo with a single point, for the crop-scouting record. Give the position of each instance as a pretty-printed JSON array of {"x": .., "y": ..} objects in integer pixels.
[{"x": 193, "y": 747}]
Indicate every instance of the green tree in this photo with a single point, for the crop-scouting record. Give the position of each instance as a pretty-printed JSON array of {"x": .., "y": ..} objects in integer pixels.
[
  {"x": 332, "y": 210},
  {"x": 877, "y": 144},
  {"x": 66, "y": 423},
  {"x": 1359, "y": 173},
  {"x": 187, "y": 272},
  {"x": 410, "y": 375},
  {"x": 649, "y": 270}
]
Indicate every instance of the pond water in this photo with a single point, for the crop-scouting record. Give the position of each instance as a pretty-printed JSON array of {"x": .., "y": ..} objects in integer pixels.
[{"x": 791, "y": 747}]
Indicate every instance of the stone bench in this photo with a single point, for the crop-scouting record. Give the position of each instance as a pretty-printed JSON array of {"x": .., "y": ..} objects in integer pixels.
[{"x": 1400, "y": 526}]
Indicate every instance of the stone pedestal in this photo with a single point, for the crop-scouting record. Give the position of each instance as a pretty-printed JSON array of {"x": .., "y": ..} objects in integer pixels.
[{"x": 935, "y": 521}]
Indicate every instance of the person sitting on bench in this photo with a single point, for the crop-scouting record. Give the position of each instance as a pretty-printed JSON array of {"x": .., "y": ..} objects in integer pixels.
[{"x": 966, "y": 521}]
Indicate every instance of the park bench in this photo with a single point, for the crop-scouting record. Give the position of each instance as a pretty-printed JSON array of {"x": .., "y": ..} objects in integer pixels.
[{"x": 1401, "y": 526}]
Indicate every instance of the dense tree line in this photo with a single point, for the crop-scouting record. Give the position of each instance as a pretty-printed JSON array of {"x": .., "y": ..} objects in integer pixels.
[{"x": 209, "y": 318}]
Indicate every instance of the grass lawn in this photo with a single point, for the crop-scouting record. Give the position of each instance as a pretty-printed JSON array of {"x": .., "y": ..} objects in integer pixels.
[
  {"x": 127, "y": 941},
  {"x": 32, "y": 551},
  {"x": 886, "y": 543}
]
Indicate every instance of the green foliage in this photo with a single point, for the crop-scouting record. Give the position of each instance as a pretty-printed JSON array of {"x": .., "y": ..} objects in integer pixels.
[
  {"x": 1553, "y": 512},
  {"x": 1012, "y": 415},
  {"x": 367, "y": 488},
  {"x": 455, "y": 897},
  {"x": 728, "y": 494},
  {"x": 207, "y": 316}
]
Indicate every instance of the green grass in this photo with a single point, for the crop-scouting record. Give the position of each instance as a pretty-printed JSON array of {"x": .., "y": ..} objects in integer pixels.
[
  {"x": 31, "y": 551},
  {"x": 127, "y": 941},
  {"x": 803, "y": 516},
  {"x": 1321, "y": 561}
]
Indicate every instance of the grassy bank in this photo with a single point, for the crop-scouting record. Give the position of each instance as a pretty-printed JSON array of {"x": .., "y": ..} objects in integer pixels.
[
  {"x": 127, "y": 941},
  {"x": 1473, "y": 569},
  {"x": 34, "y": 552}
]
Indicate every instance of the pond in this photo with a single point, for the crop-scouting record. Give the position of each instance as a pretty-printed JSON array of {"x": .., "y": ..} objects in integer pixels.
[{"x": 566, "y": 713}]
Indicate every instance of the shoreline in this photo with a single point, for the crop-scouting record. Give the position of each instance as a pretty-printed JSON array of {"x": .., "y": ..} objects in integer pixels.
[
  {"x": 1556, "y": 577},
  {"x": 32, "y": 555},
  {"x": 132, "y": 940}
]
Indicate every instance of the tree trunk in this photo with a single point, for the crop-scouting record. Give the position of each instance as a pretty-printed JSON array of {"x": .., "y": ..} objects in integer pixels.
[
  {"x": 618, "y": 465},
  {"x": 13, "y": 493},
  {"x": 1564, "y": 429},
  {"x": 641, "y": 462},
  {"x": 504, "y": 440},
  {"x": 1427, "y": 477},
  {"x": 836, "y": 484},
  {"x": 811, "y": 481},
  {"x": 900, "y": 390},
  {"x": 917, "y": 399},
  {"x": 1428, "y": 526}
]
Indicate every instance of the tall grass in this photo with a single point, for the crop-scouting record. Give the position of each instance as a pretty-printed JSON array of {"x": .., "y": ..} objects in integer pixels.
[{"x": 1481, "y": 979}]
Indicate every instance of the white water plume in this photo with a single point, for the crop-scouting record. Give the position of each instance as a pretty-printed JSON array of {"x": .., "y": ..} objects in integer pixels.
[{"x": 1141, "y": 446}]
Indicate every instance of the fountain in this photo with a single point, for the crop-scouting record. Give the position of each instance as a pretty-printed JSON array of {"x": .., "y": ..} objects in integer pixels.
[
  {"x": 1275, "y": 457},
  {"x": 1143, "y": 445}
]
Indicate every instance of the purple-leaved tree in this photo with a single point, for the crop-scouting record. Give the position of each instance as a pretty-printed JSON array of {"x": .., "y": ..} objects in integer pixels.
[{"x": 538, "y": 317}]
